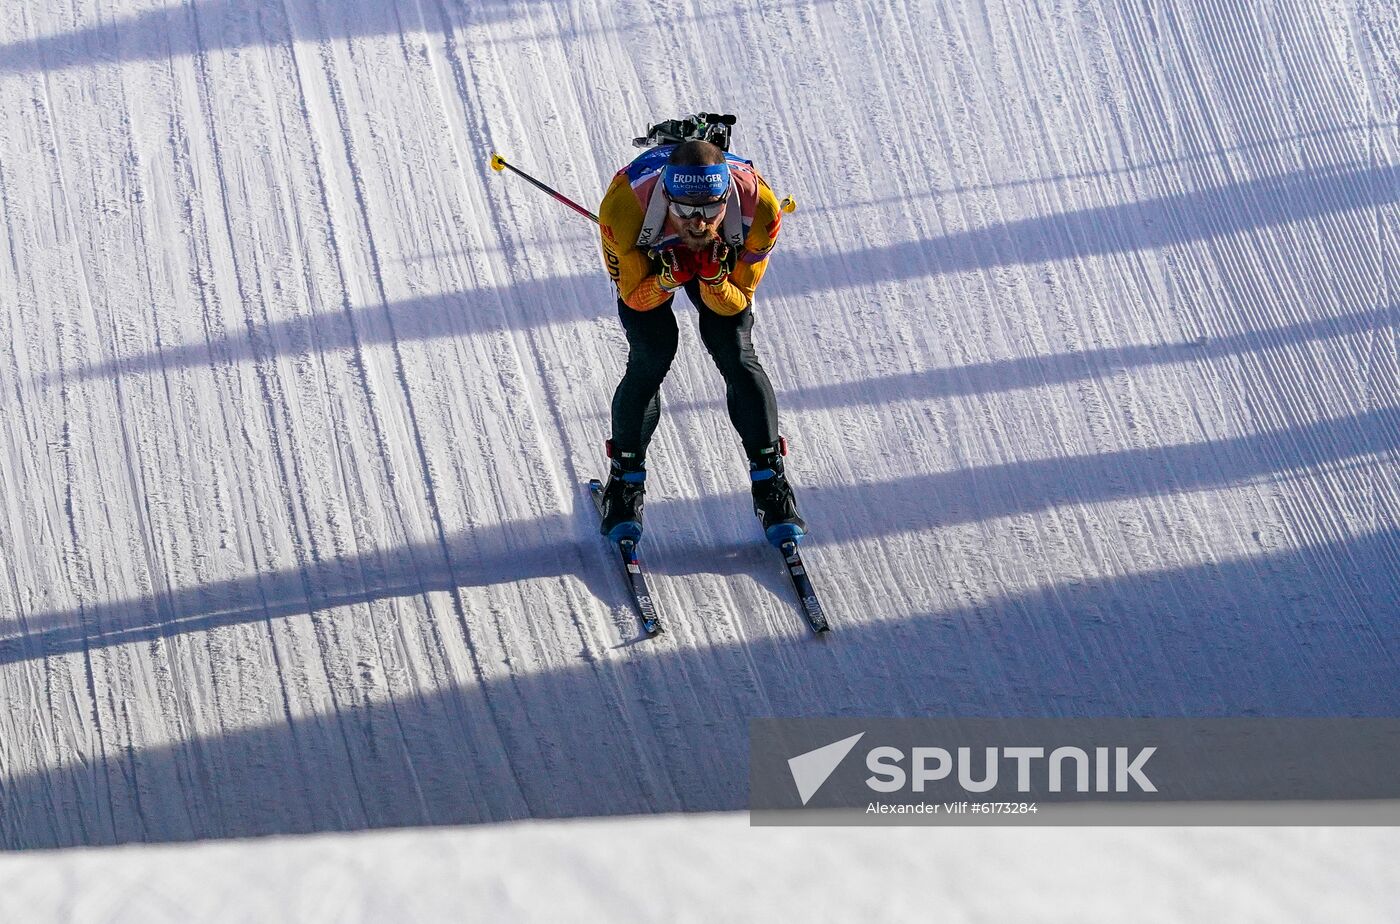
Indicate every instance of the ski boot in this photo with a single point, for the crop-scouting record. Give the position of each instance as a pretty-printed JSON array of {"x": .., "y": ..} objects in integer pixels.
[
  {"x": 622, "y": 496},
  {"x": 773, "y": 502}
]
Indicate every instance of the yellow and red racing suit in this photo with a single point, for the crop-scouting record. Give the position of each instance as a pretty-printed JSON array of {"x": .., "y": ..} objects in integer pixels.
[{"x": 635, "y": 271}]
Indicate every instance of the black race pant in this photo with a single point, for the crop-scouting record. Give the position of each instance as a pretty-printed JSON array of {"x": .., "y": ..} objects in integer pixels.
[{"x": 651, "y": 340}]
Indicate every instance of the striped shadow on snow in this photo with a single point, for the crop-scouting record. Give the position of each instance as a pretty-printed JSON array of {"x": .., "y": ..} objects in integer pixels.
[
  {"x": 1177, "y": 219},
  {"x": 1295, "y": 633}
]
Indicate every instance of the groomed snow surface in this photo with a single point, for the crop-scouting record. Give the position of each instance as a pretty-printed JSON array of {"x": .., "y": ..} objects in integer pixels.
[{"x": 1084, "y": 335}]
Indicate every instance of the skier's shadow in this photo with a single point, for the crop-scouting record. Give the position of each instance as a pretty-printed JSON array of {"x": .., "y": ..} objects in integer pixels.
[{"x": 673, "y": 559}]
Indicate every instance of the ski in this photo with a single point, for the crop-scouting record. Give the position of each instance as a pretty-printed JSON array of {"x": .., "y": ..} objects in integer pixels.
[
  {"x": 806, "y": 593},
  {"x": 632, "y": 567}
]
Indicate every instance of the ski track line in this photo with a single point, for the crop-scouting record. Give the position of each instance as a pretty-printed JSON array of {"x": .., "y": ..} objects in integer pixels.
[
  {"x": 273, "y": 406},
  {"x": 361, "y": 362},
  {"x": 529, "y": 463},
  {"x": 177, "y": 710},
  {"x": 225, "y": 644},
  {"x": 95, "y": 674},
  {"x": 381, "y": 442},
  {"x": 528, "y": 358},
  {"x": 39, "y": 718}
]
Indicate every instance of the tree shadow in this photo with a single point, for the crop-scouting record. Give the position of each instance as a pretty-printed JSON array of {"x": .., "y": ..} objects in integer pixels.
[
  {"x": 528, "y": 303},
  {"x": 1156, "y": 164},
  {"x": 512, "y": 552},
  {"x": 1110, "y": 229},
  {"x": 1299, "y": 633},
  {"x": 204, "y": 26},
  {"x": 1181, "y": 218},
  {"x": 1061, "y": 368},
  {"x": 218, "y": 25}
]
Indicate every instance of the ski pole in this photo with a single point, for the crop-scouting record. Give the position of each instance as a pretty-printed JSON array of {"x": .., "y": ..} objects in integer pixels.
[{"x": 498, "y": 163}]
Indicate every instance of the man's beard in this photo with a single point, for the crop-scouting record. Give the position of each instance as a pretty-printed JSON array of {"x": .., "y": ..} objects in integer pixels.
[{"x": 705, "y": 239}]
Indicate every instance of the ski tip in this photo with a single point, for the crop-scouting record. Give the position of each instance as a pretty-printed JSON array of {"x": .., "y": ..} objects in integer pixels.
[{"x": 594, "y": 484}]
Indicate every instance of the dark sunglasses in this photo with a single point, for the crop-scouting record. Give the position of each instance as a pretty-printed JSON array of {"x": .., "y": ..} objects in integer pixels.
[{"x": 707, "y": 212}]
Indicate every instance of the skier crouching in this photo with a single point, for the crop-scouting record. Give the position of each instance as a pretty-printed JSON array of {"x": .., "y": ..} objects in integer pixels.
[{"x": 690, "y": 216}]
